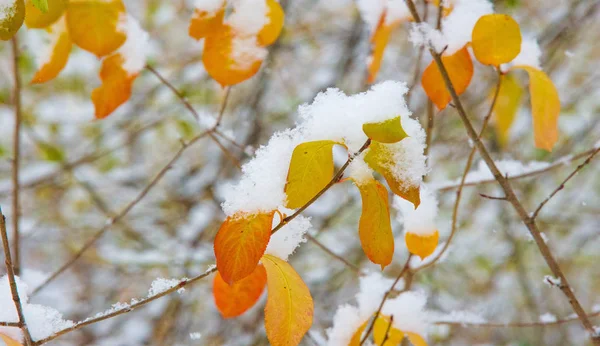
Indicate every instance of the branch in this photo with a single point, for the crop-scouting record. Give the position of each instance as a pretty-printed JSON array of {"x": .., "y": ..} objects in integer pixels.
[
  {"x": 333, "y": 254},
  {"x": 515, "y": 324},
  {"x": 510, "y": 194},
  {"x": 16, "y": 206},
  {"x": 10, "y": 272},
  {"x": 10, "y": 324}
]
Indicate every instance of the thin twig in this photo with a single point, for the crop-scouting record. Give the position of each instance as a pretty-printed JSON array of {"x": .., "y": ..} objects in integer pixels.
[
  {"x": 562, "y": 185},
  {"x": 515, "y": 324},
  {"x": 385, "y": 296},
  {"x": 387, "y": 330},
  {"x": 333, "y": 254},
  {"x": 12, "y": 281},
  {"x": 223, "y": 106},
  {"x": 501, "y": 198},
  {"x": 510, "y": 194},
  {"x": 16, "y": 206},
  {"x": 10, "y": 324}
]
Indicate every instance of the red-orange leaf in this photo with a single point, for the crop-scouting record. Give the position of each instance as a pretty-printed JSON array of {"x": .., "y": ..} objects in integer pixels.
[
  {"x": 115, "y": 89},
  {"x": 269, "y": 33},
  {"x": 460, "y": 71},
  {"x": 240, "y": 243},
  {"x": 61, "y": 48},
  {"x": 236, "y": 299},
  {"x": 206, "y": 23}
]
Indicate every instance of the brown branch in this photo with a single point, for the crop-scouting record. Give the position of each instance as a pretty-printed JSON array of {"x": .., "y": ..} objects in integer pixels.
[
  {"x": 10, "y": 273},
  {"x": 16, "y": 206},
  {"x": 333, "y": 254},
  {"x": 515, "y": 324},
  {"x": 496, "y": 198},
  {"x": 387, "y": 331},
  {"x": 183, "y": 283},
  {"x": 10, "y": 324},
  {"x": 562, "y": 185},
  {"x": 510, "y": 194}
]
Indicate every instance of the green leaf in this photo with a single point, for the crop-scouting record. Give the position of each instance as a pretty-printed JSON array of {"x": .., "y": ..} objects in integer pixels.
[
  {"x": 388, "y": 131},
  {"x": 51, "y": 153},
  {"x": 41, "y": 5}
]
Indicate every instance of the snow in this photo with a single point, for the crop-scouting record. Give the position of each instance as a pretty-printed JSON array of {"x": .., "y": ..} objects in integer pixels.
[
  {"x": 372, "y": 10},
  {"x": 423, "y": 34},
  {"x": 248, "y": 17},
  {"x": 283, "y": 243},
  {"x": 135, "y": 49},
  {"x": 359, "y": 170},
  {"x": 458, "y": 26},
  {"x": 195, "y": 336},
  {"x": 421, "y": 221},
  {"x": 552, "y": 281},
  {"x": 529, "y": 56},
  {"x": 7, "y": 9},
  {"x": 209, "y": 6},
  {"x": 245, "y": 52},
  {"x": 547, "y": 318},
  {"x": 161, "y": 285},
  {"x": 457, "y": 316},
  {"x": 43, "y": 55}
]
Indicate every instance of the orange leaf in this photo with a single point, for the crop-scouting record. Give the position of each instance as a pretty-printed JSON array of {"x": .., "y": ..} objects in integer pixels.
[
  {"x": 420, "y": 245},
  {"x": 496, "y": 39},
  {"x": 416, "y": 339},
  {"x": 289, "y": 310},
  {"x": 507, "y": 104},
  {"x": 230, "y": 59},
  {"x": 115, "y": 89},
  {"x": 270, "y": 32},
  {"x": 545, "y": 108},
  {"x": 94, "y": 25},
  {"x": 9, "y": 341},
  {"x": 34, "y": 18},
  {"x": 204, "y": 23},
  {"x": 61, "y": 48},
  {"x": 240, "y": 243},
  {"x": 375, "y": 229},
  {"x": 11, "y": 19},
  {"x": 236, "y": 299},
  {"x": 460, "y": 71},
  {"x": 379, "y": 41}
]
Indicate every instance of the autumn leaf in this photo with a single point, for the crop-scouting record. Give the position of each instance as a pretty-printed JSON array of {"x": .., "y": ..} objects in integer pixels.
[
  {"x": 421, "y": 245},
  {"x": 94, "y": 25},
  {"x": 115, "y": 89},
  {"x": 379, "y": 41},
  {"x": 416, "y": 339},
  {"x": 61, "y": 48},
  {"x": 236, "y": 299},
  {"x": 381, "y": 159},
  {"x": 206, "y": 23},
  {"x": 375, "y": 229},
  {"x": 229, "y": 67},
  {"x": 506, "y": 106},
  {"x": 460, "y": 71},
  {"x": 289, "y": 310},
  {"x": 382, "y": 328},
  {"x": 240, "y": 243},
  {"x": 545, "y": 108},
  {"x": 37, "y": 19},
  {"x": 9, "y": 341},
  {"x": 311, "y": 169},
  {"x": 11, "y": 19},
  {"x": 388, "y": 131},
  {"x": 496, "y": 39},
  {"x": 270, "y": 32}
]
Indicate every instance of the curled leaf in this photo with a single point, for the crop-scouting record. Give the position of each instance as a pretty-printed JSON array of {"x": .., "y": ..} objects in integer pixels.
[
  {"x": 421, "y": 245},
  {"x": 37, "y": 19},
  {"x": 388, "y": 131},
  {"x": 460, "y": 71},
  {"x": 11, "y": 18},
  {"x": 233, "y": 300},
  {"x": 240, "y": 243},
  {"x": 270, "y": 32},
  {"x": 115, "y": 89},
  {"x": 61, "y": 48}
]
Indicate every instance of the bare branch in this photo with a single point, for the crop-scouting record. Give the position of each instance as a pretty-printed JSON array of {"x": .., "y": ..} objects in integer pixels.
[
  {"x": 333, "y": 254},
  {"x": 16, "y": 205},
  {"x": 515, "y": 324}
]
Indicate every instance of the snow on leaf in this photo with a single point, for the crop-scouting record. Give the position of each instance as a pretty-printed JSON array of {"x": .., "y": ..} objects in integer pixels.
[
  {"x": 270, "y": 32},
  {"x": 289, "y": 310},
  {"x": 496, "y": 39},
  {"x": 388, "y": 131},
  {"x": 11, "y": 18},
  {"x": 205, "y": 23},
  {"x": 36, "y": 18},
  {"x": 421, "y": 245},
  {"x": 240, "y": 243},
  {"x": 60, "y": 48},
  {"x": 236, "y": 299}
]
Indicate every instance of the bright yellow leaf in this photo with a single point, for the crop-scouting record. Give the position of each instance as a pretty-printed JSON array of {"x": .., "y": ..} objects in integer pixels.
[
  {"x": 460, "y": 71},
  {"x": 226, "y": 66},
  {"x": 388, "y": 131},
  {"x": 12, "y": 19},
  {"x": 9, "y": 341},
  {"x": 34, "y": 18},
  {"x": 357, "y": 336},
  {"x": 270, "y": 32},
  {"x": 382, "y": 330},
  {"x": 311, "y": 168},
  {"x": 496, "y": 39},
  {"x": 545, "y": 108},
  {"x": 507, "y": 104},
  {"x": 416, "y": 339},
  {"x": 375, "y": 228},
  {"x": 61, "y": 48},
  {"x": 379, "y": 41},
  {"x": 381, "y": 159},
  {"x": 205, "y": 23},
  {"x": 289, "y": 310},
  {"x": 94, "y": 25},
  {"x": 115, "y": 89},
  {"x": 421, "y": 245}
]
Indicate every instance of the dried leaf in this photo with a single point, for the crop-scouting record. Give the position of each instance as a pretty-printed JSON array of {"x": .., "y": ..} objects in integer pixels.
[
  {"x": 236, "y": 299},
  {"x": 496, "y": 39},
  {"x": 388, "y": 131},
  {"x": 58, "y": 58},
  {"x": 36, "y": 18},
  {"x": 421, "y": 245},
  {"x": 270, "y": 32}
]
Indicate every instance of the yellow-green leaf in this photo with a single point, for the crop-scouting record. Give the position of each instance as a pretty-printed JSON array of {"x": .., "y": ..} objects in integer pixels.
[
  {"x": 375, "y": 229},
  {"x": 545, "y": 108},
  {"x": 388, "y": 131},
  {"x": 507, "y": 104},
  {"x": 381, "y": 159},
  {"x": 311, "y": 168},
  {"x": 36, "y": 18},
  {"x": 12, "y": 18},
  {"x": 41, "y": 5},
  {"x": 289, "y": 310},
  {"x": 496, "y": 39}
]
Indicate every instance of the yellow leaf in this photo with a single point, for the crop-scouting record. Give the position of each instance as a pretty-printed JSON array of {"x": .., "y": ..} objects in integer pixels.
[
  {"x": 61, "y": 48},
  {"x": 357, "y": 336},
  {"x": 388, "y": 131},
  {"x": 12, "y": 19},
  {"x": 204, "y": 23},
  {"x": 460, "y": 71},
  {"x": 379, "y": 41},
  {"x": 507, "y": 104},
  {"x": 311, "y": 168},
  {"x": 496, "y": 39},
  {"x": 34, "y": 18},
  {"x": 289, "y": 310},
  {"x": 375, "y": 229},
  {"x": 416, "y": 339},
  {"x": 421, "y": 245},
  {"x": 226, "y": 66},
  {"x": 382, "y": 328},
  {"x": 545, "y": 108},
  {"x": 115, "y": 89},
  {"x": 9, "y": 341},
  {"x": 381, "y": 159},
  {"x": 94, "y": 25},
  {"x": 270, "y": 32}
]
